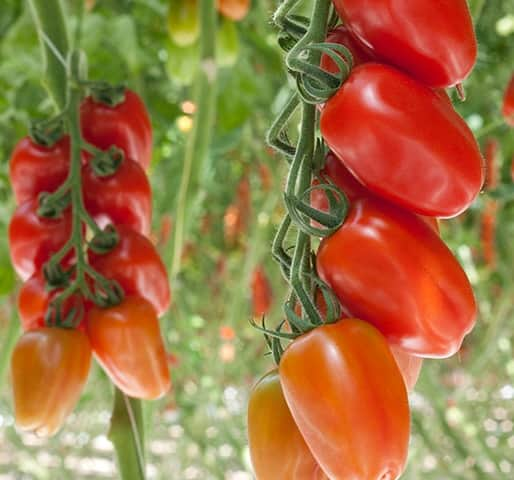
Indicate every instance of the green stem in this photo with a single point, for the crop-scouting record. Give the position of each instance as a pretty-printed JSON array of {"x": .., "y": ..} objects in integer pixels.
[
  {"x": 200, "y": 137},
  {"x": 8, "y": 343},
  {"x": 53, "y": 36}
]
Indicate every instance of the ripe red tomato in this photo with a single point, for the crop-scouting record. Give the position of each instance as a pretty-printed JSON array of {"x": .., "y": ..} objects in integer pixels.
[
  {"x": 49, "y": 368},
  {"x": 35, "y": 168},
  {"x": 347, "y": 396},
  {"x": 234, "y": 9},
  {"x": 400, "y": 128},
  {"x": 262, "y": 296},
  {"x": 508, "y": 103},
  {"x": 127, "y": 125},
  {"x": 135, "y": 264},
  {"x": 435, "y": 43},
  {"x": 409, "y": 365},
  {"x": 271, "y": 429},
  {"x": 34, "y": 300},
  {"x": 127, "y": 342},
  {"x": 389, "y": 268},
  {"x": 34, "y": 239},
  {"x": 124, "y": 198}
]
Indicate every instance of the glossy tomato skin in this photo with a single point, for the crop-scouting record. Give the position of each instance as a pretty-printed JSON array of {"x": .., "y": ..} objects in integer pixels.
[
  {"x": 49, "y": 368},
  {"x": 127, "y": 342},
  {"x": 124, "y": 198},
  {"x": 127, "y": 125},
  {"x": 35, "y": 168},
  {"x": 508, "y": 103},
  {"x": 432, "y": 41},
  {"x": 400, "y": 128},
  {"x": 347, "y": 396},
  {"x": 271, "y": 429},
  {"x": 135, "y": 264},
  {"x": 34, "y": 239},
  {"x": 233, "y": 9},
  {"x": 389, "y": 268}
]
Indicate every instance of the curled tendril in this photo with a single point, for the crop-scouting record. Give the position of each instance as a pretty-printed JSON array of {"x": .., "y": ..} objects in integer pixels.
[
  {"x": 54, "y": 314},
  {"x": 55, "y": 276},
  {"x": 277, "y": 136},
  {"x": 106, "y": 293}
]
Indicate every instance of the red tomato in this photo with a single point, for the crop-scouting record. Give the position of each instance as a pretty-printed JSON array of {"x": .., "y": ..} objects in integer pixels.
[
  {"x": 390, "y": 269},
  {"x": 127, "y": 342},
  {"x": 262, "y": 296},
  {"x": 34, "y": 300},
  {"x": 347, "y": 396},
  {"x": 433, "y": 42},
  {"x": 127, "y": 125},
  {"x": 135, "y": 264},
  {"x": 35, "y": 168},
  {"x": 271, "y": 429},
  {"x": 492, "y": 148},
  {"x": 399, "y": 129},
  {"x": 34, "y": 239},
  {"x": 342, "y": 36},
  {"x": 409, "y": 365},
  {"x": 49, "y": 368},
  {"x": 233, "y": 9},
  {"x": 124, "y": 198},
  {"x": 508, "y": 103}
]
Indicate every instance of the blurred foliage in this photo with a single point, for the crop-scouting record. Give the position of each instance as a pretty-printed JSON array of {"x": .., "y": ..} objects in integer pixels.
[{"x": 463, "y": 407}]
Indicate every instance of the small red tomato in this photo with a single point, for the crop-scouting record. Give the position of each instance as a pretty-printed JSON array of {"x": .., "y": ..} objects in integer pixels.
[
  {"x": 434, "y": 43},
  {"x": 389, "y": 268},
  {"x": 34, "y": 239},
  {"x": 271, "y": 429},
  {"x": 508, "y": 103},
  {"x": 127, "y": 342},
  {"x": 135, "y": 264},
  {"x": 49, "y": 368},
  {"x": 123, "y": 198},
  {"x": 127, "y": 125},
  {"x": 348, "y": 399},
  {"x": 409, "y": 365},
  {"x": 35, "y": 168},
  {"x": 233, "y": 9},
  {"x": 400, "y": 128},
  {"x": 262, "y": 296}
]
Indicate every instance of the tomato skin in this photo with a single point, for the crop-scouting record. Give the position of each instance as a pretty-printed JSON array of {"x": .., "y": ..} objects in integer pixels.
[
  {"x": 508, "y": 103},
  {"x": 271, "y": 429},
  {"x": 358, "y": 428},
  {"x": 127, "y": 343},
  {"x": 35, "y": 168},
  {"x": 233, "y": 9},
  {"x": 182, "y": 19},
  {"x": 262, "y": 296},
  {"x": 399, "y": 275},
  {"x": 127, "y": 125},
  {"x": 414, "y": 130},
  {"x": 135, "y": 264},
  {"x": 124, "y": 198},
  {"x": 34, "y": 239},
  {"x": 434, "y": 43},
  {"x": 49, "y": 368}
]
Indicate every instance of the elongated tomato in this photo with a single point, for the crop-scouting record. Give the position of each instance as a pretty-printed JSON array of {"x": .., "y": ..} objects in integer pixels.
[
  {"x": 432, "y": 40},
  {"x": 508, "y": 103},
  {"x": 389, "y": 268},
  {"x": 271, "y": 429},
  {"x": 403, "y": 141},
  {"x": 348, "y": 398}
]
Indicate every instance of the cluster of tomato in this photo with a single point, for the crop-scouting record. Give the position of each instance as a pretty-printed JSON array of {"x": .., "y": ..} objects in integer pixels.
[
  {"x": 337, "y": 407},
  {"x": 51, "y": 361}
]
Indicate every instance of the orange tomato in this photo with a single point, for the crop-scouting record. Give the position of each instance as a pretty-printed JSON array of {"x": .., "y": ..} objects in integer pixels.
[
  {"x": 234, "y": 9},
  {"x": 127, "y": 343},
  {"x": 49, "y": 368},
  {"x": 262, "y": 296}
]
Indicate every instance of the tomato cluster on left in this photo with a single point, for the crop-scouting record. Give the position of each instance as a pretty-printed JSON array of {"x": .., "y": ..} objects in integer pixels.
[{"x": 65, "y": 322}]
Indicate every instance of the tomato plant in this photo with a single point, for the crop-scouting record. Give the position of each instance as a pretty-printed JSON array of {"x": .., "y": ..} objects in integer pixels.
[
  {"x": 508, "y": 103},
  {"x": 127, "y": 342},
  {"x": 126, "y": 125},
  {"x": 277, "y": 448},
  {"x": 135, "y": 264},
  {"x": 49, "y": 368},
  {"x": 390, "y": 269},
  {"x": 346, "y": 394},
  {"x": 123, "y": 198},
  {"x": 234, "y": 9},
  {"x": 414, "y": 130},
  {"x": 183, "y": 25},
  {"x": 435, "y": 44}
]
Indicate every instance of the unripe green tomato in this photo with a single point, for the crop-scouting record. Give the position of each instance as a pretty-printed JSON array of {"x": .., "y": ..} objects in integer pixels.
[
  {"x": 227, "y": 43},
  {"x": 183, "y": 26},
  {"x": 182, "y": 63}
]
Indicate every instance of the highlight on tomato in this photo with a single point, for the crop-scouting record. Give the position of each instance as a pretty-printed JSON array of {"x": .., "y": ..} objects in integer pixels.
[
  {"x": 277, "y": 448},
  {"x": 126, "y": 341},
  {"x": 400, "y": 128},
  {"x": 389, "y": 268},
  {"x": 49, "y": 368},
  {"x": 508, "y": 103},
  {"x": 348, "y": 399}
]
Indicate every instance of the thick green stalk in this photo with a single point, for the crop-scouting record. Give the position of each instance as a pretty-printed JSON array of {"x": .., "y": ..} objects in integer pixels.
[
  {"x": 53, "y": 35},
  {"x": 197, "y": 147}
]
